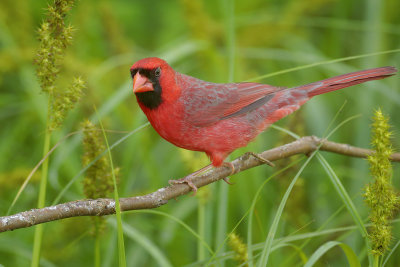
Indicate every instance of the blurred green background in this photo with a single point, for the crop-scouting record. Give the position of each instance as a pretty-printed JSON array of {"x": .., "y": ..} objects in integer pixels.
[{"x": 198, "y": 38}]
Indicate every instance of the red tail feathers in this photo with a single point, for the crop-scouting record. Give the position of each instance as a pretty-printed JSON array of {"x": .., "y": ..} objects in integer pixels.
[{"x": 347, "y": 80}]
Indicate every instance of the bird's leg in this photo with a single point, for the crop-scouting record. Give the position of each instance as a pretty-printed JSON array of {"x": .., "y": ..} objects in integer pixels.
[
  {"x": 261, "y": 159},
  {"x": 188, "y": 179}
]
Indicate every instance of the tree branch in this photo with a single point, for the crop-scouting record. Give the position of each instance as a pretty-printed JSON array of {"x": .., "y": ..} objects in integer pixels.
[{"x": 99, "y": 207}]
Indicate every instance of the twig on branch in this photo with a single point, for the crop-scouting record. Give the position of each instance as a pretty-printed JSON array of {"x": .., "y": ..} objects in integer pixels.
[{"x": 99, "y": 207}]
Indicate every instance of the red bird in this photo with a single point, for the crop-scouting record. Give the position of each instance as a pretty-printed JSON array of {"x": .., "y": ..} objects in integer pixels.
[{"x": 218, "y": 118}]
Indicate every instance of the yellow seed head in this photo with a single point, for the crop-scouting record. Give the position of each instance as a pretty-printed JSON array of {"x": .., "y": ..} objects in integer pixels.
[
  {"x": 380, "y": 196},
  {"x": 238, "y": 247}
]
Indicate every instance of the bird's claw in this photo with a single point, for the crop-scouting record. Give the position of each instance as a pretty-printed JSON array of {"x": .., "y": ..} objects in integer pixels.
[
  {"x": 261, "y": 159},
  {"x": 226, "y": 180},
  {"x": 185, "y": 180},
  {"x": 232, "y": 167}
]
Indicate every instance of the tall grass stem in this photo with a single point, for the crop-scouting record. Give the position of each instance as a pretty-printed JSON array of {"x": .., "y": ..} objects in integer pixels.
[
  {"x": 120, "y": 231},
  {"x": 38, "y": 236}
]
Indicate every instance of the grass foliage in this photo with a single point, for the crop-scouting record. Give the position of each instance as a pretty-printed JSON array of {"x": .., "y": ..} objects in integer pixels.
[{"x": 305, "y": 211}]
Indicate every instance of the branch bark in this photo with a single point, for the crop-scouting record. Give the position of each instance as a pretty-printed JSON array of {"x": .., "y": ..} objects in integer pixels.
[{"x": 100, "y": 207}]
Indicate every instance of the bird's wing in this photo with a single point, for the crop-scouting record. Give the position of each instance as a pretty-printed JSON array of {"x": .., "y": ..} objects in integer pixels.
[{"x": 207, "y": 103}]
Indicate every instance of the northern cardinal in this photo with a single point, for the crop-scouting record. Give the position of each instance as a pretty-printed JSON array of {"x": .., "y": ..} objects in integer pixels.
[{"x": 218, "y": 118}]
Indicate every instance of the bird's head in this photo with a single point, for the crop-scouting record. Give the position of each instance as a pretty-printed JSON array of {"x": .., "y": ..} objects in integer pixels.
[{"x": 153, "y": 82}]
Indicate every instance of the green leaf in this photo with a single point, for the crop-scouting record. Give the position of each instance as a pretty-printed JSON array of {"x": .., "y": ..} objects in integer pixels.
[
  {"x": 351, "y": 256},
  {"x": 274, "y": 227},
  {"x": 146, "y": 243}
]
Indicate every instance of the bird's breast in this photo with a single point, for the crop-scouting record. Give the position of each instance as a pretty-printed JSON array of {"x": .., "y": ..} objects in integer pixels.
[{"x": 167, "y": 120}]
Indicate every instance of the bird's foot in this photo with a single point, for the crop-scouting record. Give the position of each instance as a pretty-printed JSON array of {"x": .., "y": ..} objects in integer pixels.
[
  {"x": 186, "y": 180},
  {"x": 261, "y": 159},
  {"x": 230, "y": 165},
  {"x": 189, "y": 179}
]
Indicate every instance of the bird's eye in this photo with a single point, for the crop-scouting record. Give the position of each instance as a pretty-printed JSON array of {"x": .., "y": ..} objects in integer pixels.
[{"x": 158, "y": 72}]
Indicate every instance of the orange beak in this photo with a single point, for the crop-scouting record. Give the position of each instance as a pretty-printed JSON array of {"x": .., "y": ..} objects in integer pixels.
[{"x": 141, "y": 84}]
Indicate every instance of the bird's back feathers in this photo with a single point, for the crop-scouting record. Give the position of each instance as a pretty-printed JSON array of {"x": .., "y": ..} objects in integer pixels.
[{"x": 207, "y": 103}]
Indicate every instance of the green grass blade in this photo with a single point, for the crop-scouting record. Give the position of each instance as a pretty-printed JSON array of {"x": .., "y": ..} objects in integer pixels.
[
  {"x": 343, "y": 195},
  {"x": 347, "y": 201},
  {"x": 351, "y": 256},
  {"x": 317, "y": 233},
  {"x": 120, "y": 233},
  {"x": 274, "y": 227},
  {"x": 268, "y": 243},
  {"x": 338, "y": 185},
  {"x": 222, "y": 217},
  {"x": 298, "y": 250},
  {"x": 390, "y": 253},
  {"x": 201, "y": 226},
  {"x": 187, "y": 227},
  {"x": 37, "y": 240},
  {"x": 146, "y": 243},
  {"x": 277, "y": 243},
  {"x": 67, "y": 186},
  {"x": 251, "y": 210},
  {"x": 26, "y": 181},
  {"x": 321, "y": 63},
  {"x": 319, "y": 230}
]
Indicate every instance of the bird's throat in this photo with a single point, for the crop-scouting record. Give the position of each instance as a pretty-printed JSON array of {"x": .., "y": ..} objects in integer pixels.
[{"x": 151, "y": 99}]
